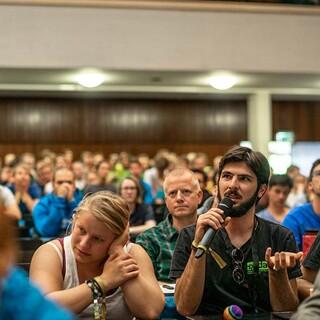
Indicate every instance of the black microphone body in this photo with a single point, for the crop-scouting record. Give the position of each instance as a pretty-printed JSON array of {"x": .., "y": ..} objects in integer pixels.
[{"x": 225, "y": 205}]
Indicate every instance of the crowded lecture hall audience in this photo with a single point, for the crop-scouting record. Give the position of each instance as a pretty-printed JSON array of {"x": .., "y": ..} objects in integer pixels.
[{"x": 88, "y": 212}]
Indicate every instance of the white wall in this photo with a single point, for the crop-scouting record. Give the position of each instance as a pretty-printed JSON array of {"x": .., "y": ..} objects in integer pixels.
[{"x": 32, "y": 36}]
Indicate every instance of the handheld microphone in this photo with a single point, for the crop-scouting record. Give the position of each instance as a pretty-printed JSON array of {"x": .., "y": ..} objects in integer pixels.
[{"x": 225, "y": 205}]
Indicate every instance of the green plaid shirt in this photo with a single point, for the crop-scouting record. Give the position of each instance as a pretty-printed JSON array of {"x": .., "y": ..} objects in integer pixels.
[{"x": 159, "y": 242}]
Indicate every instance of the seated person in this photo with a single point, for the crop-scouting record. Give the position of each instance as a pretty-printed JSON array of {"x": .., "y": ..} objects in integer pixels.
[
  {"x": 298, "y": 194},
  {"x": 136, "y": 170},
  {"x": 278, "y": 191},
  {"x": 79, "y": 174},
  {"x": 310, "y": 308},
  {"x": 203, "y": 180},
  {"x": 160, "y": 241},
  {"x": 94, "y": 269},
  {"x": 141, "y": 215},
  {"x": 238, "y": 267},
  {"x": 102, "y": 183},
  {"x": 183, "y": 195},
  {"x": 44, "y": 170},
  {"x": 52, "y": 214},
  {"x": 26, "y": 193},
  {"x": 208, "y": 203},
  {"x": 6, "y": 175},
  {"x": 154, "y": 177},
  {"x": 21, "y": 300},
  {"x": 11, "y": 208},
  {"x": 306, "y": 217},
  {"x": 310, "y": 268}
]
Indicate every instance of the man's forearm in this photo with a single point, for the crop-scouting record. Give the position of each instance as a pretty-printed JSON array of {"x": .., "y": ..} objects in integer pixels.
[
  {"x": 283, "y": 292},
  {"x": 190, "y": 286}
]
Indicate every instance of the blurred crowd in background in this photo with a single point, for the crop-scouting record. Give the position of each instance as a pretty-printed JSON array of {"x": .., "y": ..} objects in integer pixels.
[{"x": 33, "y": 186}]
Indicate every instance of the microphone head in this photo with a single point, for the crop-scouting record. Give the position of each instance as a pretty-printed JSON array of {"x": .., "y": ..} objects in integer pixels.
[
  {"x": 232, "y": 312},
  {"x": 226, "y": 205},
  {"x": 227, "y": 202}
]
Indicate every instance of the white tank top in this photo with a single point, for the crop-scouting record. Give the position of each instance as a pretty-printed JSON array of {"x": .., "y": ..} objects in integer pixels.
[{"x": 117, "y": 308}]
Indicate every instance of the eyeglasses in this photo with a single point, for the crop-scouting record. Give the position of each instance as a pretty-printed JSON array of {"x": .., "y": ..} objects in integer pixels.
[{"x": 237, "y": 260}]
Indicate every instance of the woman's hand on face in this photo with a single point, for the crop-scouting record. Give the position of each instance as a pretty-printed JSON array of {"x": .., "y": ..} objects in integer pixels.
[
  {"x": 119, "y": 268},
  {"x": 118, "y": 243}
]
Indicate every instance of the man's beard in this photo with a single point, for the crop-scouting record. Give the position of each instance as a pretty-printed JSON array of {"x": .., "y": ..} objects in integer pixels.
[{"x": 240, "y": 210}]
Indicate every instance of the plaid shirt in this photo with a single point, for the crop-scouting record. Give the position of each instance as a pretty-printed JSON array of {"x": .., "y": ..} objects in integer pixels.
[{"x": 159, "y": 242}]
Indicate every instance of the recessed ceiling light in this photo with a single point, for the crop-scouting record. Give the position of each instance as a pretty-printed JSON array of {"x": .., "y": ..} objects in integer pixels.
[
  {"x": 222, "y": 81},
  {"x": 90, "y": 79}
]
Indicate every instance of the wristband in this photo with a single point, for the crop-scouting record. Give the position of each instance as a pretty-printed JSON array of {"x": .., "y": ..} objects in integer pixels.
[
  {"x": 194, "y": 245},
  {"x": 99, "y": 306},
  {"x": 95, "y": 288},
  {"x": 99, "y": 281}
]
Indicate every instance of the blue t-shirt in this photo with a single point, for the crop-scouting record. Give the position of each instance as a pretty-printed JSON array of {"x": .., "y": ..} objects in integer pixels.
[
  {"x": 300, "y": 220},
  {"x": 266, "y": 215},
  {"x": 21, "y": 300}
]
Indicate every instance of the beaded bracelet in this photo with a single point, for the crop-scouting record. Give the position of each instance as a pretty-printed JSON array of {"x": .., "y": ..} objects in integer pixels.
[{"x": 99, "y": 307}]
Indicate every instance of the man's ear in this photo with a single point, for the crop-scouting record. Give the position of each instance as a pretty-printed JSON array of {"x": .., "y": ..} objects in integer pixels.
[
  {"x": 200, "y": 196},
  {"x": 262, "y": 190}
]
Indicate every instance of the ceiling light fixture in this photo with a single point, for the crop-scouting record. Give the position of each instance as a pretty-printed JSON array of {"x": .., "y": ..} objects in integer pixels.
[
  {"x": 222, "y": 81},
  {"x": 90, "y": 79}
]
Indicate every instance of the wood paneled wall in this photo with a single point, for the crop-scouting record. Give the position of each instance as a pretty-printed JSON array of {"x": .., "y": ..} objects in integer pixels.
[
  {"x": 113, "y": 125},
  {"x": 301, "y": 117}
]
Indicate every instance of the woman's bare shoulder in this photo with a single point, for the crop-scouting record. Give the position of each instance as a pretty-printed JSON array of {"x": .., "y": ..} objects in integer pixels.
[
  {"x": 46, "y": 267},
  {"x": 48, "y": 253},
  {"x": 136, "y": 251}
]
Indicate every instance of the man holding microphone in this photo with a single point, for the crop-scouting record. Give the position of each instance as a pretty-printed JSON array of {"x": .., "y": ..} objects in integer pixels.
[{"x": 250, "y": 262}]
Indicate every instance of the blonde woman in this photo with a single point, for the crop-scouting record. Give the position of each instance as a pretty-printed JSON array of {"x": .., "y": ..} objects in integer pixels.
[{"x": 93, "y": 271}]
